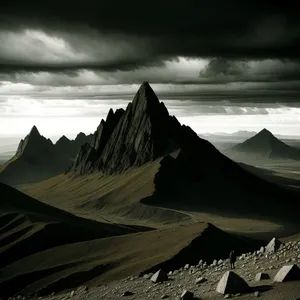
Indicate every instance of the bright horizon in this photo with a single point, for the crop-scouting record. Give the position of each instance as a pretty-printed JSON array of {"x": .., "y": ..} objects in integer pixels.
[{"x": 57, "y": 117}]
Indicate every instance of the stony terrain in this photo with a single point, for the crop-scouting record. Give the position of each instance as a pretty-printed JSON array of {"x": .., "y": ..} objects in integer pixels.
[{"x": 247, "y": 266}]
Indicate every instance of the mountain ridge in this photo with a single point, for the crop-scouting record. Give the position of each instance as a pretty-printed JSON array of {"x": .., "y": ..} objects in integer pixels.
[{"x": 37, "y": 158}]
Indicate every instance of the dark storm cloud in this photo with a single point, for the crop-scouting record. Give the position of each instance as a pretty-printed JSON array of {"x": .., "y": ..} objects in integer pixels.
[
  {"x": 221, "y": 66},
  {"x": 227, "y": 29}
]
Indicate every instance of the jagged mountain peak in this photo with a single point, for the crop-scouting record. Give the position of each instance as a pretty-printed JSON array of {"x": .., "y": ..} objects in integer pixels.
[
  {"x": 62, "y": 139},
  {"x": 145, "y": 99},
  {"x": 131, "y": 138},
  {"x": 34, "y": 131},
  {"x": 80, "y": 135}
]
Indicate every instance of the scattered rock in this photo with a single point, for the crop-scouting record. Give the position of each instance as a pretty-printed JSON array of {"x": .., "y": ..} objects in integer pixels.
[
  {"x": 256, "y": 294},
  {"x": 164, "y": 296},
  {"x": 127, "y": 293},
  {"x": 261, "y": 276},
  {"x": 273, "y": 245},
  {"x": 159, "y": 276},
  {"x": 147, "y": 276},
  {"x": 187, "y": 295},
  {"x": 200, "y": 280},
  {"x": 231, "y": 283},
  {"x": 72, "y": 294},
  {"x": 288, "y": 273}
]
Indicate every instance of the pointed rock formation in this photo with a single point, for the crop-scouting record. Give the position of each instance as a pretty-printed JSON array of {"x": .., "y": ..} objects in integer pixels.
[
  {"x": 231, "y": 283},
  {"x": 128, "y": 138},
  {"x": 187, "y": 295},
  {"x": 134, "y": 137},
  {"x": 159, "y": 276},
  {"x": 288, "y": 273},
  {"x": 87, "y": 159},
  {"x": 261, "y": 276},
  {"x": 273, "y": 245}
]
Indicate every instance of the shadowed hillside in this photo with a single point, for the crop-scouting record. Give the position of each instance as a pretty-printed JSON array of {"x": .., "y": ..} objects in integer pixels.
[
  {"x": 28, "y": 226},
  {"x": 103, "y": 260}
]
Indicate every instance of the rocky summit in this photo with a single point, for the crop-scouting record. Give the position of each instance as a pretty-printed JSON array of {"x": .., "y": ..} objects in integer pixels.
[{"x": 140, "y": 134}]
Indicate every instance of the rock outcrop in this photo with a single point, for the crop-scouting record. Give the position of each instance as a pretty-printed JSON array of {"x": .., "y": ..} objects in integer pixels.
[
  {"x": 288, "y": 273},
  {"x": 231, "y": 283},
  {"x": 159, "y": 276},
  {"x": 273, "y": 245}
]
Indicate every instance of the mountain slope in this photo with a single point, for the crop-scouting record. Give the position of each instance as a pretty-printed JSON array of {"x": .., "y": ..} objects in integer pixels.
[
  {"x": 28, "y": 226},
  {"x": 37, "y": 158},
  {"x": 265, "y": 145},
  {"x": 104, "y": 260}
]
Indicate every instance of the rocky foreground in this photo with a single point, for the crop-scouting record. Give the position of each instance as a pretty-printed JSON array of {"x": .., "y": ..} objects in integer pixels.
[{"x": 201, "y": 281}]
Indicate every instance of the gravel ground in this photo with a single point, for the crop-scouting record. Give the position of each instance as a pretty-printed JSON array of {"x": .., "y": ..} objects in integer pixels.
[{"x": 247, "y": 266}]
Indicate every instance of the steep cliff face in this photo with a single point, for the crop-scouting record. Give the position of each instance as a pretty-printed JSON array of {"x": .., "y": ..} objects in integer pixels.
[{"x": 89, "y": 153}]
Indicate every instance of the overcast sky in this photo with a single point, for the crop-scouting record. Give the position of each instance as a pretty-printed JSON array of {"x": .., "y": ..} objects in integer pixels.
[{"x": 217, "y": 65}]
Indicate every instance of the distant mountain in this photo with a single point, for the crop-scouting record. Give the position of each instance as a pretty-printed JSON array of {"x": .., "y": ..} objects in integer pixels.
[
  {"x": 240, "y": 133},
  {"x": 37, "y": 158},
  {"x": 266, "y": 145}
]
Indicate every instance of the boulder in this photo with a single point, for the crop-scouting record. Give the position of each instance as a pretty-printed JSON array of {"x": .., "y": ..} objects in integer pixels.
[
  {"x": 127, "y": 293},
  {"x": 288, "y": 273},
  {"x": 200, "y": 280},
  {"x": 273, "y": 245},
  {"x": 187, "y": 295},
  {"x": 231, "y": 283},
  {"x": 159, "y": 276},
  {"x": 261, "y": 276}
]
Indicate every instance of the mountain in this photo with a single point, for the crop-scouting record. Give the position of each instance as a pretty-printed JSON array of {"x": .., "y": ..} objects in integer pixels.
[
  {"x": 37, "y": 158},
  {"x": 177, "y": 169},
  {"x": 264, "y": 145},
  {"x": 240, "y": 133},
  {"x": 142, "y": 133}
]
